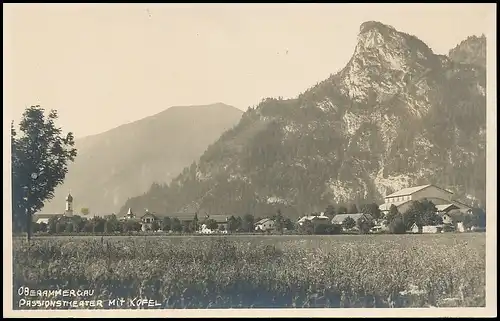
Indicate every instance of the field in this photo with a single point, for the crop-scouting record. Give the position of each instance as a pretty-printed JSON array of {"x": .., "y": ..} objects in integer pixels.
[{"x": 262, "y": 271}]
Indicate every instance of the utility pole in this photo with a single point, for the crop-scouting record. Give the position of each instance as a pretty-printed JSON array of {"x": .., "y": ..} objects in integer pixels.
[
  {"x": 27, "y": 215},
  {"x": 34, "y": 176}
]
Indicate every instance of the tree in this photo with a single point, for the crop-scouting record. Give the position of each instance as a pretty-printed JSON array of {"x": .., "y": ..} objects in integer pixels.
[
  {"x": 397, "y": 225},
  {"x": 40, "y": 157},
  {"x": 113, "y": 223},
  {"x": 89, "y": 226},
  {"x": 429, "y": 215},
  {"x": 52, "y": 224},
  {"x": 248, "y": 223},
  {"x": 98, "y": 224},
  {"x": 353, "y": 209},
  {"x": 186, "y": 227},
  {"x": 288, "y": 224},
  {"x": 211, "y": 224},
  {"x": 84, "y": 211},
  {"x": 279, "y": 222},
  {"x": 70, "y": 228},
  {"x": 166, "y": 224},
  {"x": 60, "y": 226},
  {"x": 393, "y": 213},
  {"x": 232, "y": 224},
  {"x": 421, "y": 213},
  {"x": 326, "y": 228},
  {"x": 78, "y": 223},
  {"x": 306, "y": 228},
  {"x": 176, "y": 225},
  {"x": 131, "y": 226},
  {"x": 364, "y": 225},
  {"x": 478, "y": 217},
  {"x": 195, "y": 222},
  {"x": 155, "y": 226},
  {"x": 372, "y": 209},
  {"x": 321, "y": 228},
  {"x": 330, "y": 211},
  {"x": 342, "y": 210},
  {"x": 107, "y": 227},
  {"x": 348, "y": 223},
  {"x": 239, "y": 224}
]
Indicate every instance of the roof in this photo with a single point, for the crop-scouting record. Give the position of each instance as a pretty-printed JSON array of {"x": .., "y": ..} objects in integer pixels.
[
  {"x": 387, "y": 206},
  {"x": 457, "y": 214},
  {"x": 150, "y": 214},
  {"x": 339, "y": 218},
  {"x": 262, "y": 221},
  {"x": 129, "y": 212},
  {"x": 69, "y": 198},
  {"x": 313, "y": 217},
  {"x": 217, "y": 217},
  {"x": 462, "y": 204},
  {"x": 412, "y": 190},
  {"x": 444, "y": 207}
]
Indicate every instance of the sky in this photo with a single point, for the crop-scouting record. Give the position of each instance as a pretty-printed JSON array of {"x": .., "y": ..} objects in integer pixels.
[{"x": 103, "y": 65}]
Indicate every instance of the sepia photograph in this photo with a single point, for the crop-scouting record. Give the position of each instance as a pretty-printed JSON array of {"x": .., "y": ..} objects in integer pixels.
[{"x": 235, "y": 160}]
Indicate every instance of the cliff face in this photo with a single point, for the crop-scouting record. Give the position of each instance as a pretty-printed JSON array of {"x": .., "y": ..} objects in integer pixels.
[{"x": 397, "y": 115}]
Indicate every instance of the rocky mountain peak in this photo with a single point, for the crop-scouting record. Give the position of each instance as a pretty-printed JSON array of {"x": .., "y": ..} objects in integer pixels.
[
  {"x": 385, "y": 63},
  {"x": 397, "y": 115},
  {"x": 470, "y": 51}
]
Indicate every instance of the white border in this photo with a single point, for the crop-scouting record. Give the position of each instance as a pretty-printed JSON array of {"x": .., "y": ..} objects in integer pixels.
[{"x": 491, "y": 170}]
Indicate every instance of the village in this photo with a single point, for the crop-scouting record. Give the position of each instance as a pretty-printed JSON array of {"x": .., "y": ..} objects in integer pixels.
[{"x": 449, "y": 215}]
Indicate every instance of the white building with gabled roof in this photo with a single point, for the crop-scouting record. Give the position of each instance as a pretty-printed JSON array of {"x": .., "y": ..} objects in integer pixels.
[
  {"x": 402, "y": 199},
  {"x": 265, "y": 224}
]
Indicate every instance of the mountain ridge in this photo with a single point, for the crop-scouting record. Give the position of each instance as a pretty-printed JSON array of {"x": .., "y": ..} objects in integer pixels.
[
  {"x": 137, "y": 153},
  {"x": 396, "y": 115}
]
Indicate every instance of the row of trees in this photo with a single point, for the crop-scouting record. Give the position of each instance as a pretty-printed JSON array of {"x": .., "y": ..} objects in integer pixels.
[
  {"x": 420, "y": 213},
  {"x": 111, "y": 224}
]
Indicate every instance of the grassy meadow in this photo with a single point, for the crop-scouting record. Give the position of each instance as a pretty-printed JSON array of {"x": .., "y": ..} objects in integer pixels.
[{"x": 262, "y": 271}]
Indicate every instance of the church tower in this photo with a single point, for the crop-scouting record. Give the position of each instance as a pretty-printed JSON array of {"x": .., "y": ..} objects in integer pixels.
[{"x": 69, "y": 205}]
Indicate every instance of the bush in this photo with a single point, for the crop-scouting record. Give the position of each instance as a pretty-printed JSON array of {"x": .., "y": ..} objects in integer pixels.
[
  {"x": 397, "y": 226},
  {"x": 326, "y": 229}
]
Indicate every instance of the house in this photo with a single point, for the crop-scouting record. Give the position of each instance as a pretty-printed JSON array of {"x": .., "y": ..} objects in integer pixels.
[
  {"x": 426, "y": 229},
  {"x": 205, "y": 230},
  {"x": 191, "y": 212},
  {"x": 339, "y": 218},
  {"x": 314, "y": 218},
  {"x": 454, "y": 216},
  {"x": 438, "y": 196},
  {"x": 148, "y": 220},
  {"x": 265, "y": 224},
  {"x": 222, "y": 220},
  {"x": 415, "y": 229},
  {"x": 460, "y": 227}
]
